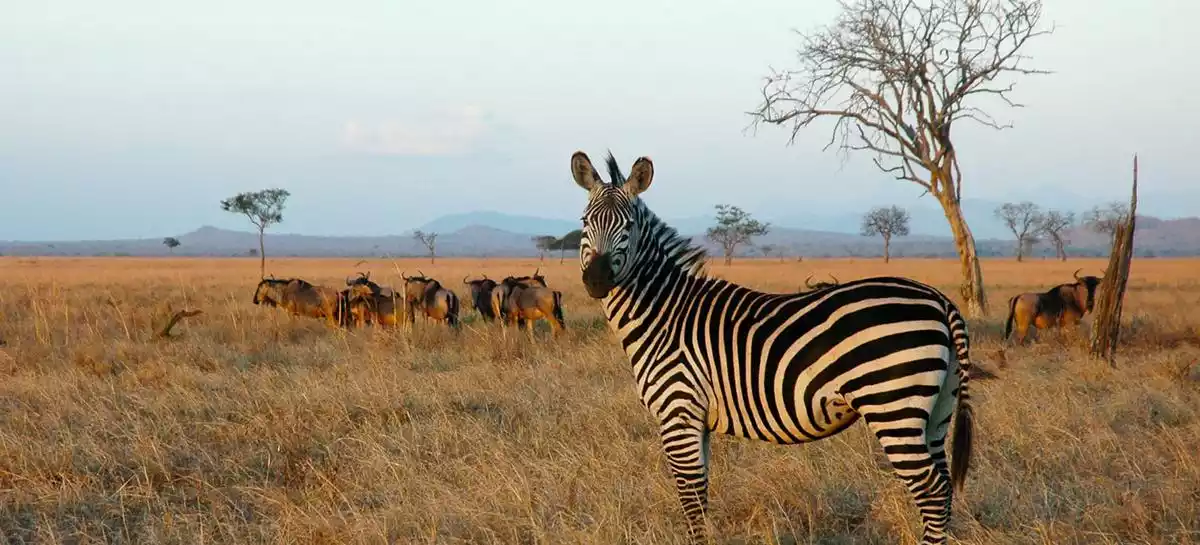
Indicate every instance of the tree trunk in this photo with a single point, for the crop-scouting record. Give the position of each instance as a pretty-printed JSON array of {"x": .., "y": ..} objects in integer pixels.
[
  {"x": 887, "y": 249},
  {"x": 1020, "y": 249},
  {"x": 1110, "y": 294},
  {"x": 729, "y": 255},
  {"x": 971, "y": 290},
  {"x": 1062, "y": 250},
  {"x": 562, "y": 254},
  {"x": 262, "y": 254}
]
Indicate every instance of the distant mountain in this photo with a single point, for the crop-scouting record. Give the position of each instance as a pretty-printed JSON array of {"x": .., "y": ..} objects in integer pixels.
[
  {"x": 528, "y": 225},
  {"x": 1178, "y": 237}
]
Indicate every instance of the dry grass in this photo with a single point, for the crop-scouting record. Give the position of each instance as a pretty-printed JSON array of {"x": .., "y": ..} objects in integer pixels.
[{"x": 252, "y": 427}]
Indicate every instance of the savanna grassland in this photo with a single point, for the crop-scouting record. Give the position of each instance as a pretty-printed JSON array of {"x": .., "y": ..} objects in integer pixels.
[{"x": 249, "y": 426}]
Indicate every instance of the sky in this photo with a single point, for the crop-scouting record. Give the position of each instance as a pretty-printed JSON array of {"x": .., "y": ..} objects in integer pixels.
[{"x": 134, "y": 118}]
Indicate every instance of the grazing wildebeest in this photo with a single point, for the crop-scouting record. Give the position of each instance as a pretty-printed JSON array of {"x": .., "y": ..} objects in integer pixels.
[
  {"x": 481, "y": 296},
  {"x": 298, "y": 297},
  {"x": 371, "y": 303},
  {"x": 522, "y": 304},
  {"x": 819, "y": 285},
  {"x": 1060, "y": 306},
  {"x": 500, "y": 294},
  {"x": 432, "y": 299}
]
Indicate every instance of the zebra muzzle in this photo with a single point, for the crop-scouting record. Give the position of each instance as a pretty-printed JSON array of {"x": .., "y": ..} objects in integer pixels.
[{"x": 598, "y": 277}]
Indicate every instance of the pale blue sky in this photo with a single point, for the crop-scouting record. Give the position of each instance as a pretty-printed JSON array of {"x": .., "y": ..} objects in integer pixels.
[{"x": 131, "y": 118}]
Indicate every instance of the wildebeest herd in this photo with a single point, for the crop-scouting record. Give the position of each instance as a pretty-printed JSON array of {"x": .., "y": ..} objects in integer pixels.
[{"x": 515, "y": 300}]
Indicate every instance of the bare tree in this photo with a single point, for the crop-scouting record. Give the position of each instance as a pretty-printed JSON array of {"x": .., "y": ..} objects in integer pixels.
[
  {"x": 1105, "y": 219},
  {"x": 1054, "y": 226},
  {"x": 430, "y": 242},
  {"x": 1110, "y": 294},
  {"x": 885, "y": 222},
  {"x": 1024, "y": 220},
  {"x": 895, "y": 76},
  {"x": 263, "y": 209},
  {"x": 734, "y": 228}
]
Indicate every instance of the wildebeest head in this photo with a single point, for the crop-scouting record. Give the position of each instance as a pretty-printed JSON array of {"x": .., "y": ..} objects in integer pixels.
[
  {"x": 1086, "y": 289},
  {"x": 480, "y": 289},
  {"x": 363, "y": 287},
  {"x": 269, "y": 291},
  {"x": 820, "y": 285}
]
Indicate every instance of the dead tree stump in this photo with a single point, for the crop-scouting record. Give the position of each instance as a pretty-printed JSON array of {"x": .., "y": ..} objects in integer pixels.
[{"x": 1106, "y": 330}]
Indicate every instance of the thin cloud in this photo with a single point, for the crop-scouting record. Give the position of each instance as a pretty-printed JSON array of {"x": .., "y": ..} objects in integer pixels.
[{"x": 449, "y": 133}]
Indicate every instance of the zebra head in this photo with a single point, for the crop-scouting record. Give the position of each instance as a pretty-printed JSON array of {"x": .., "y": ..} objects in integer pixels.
[{"x": 610, "y": 222}]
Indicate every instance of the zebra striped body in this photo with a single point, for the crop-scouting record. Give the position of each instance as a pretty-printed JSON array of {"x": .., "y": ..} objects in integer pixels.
[{"x": 712, "y": 356}]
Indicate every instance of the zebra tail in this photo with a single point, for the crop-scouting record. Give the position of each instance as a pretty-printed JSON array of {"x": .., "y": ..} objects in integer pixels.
[
  {"x": 964, "y": 420},
  {"x": 1012, "y": 312},
  {"x": 558, "y": 310}
]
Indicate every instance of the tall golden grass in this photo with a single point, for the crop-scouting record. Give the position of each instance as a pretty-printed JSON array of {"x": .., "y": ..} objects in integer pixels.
[{"x": 250, "y": 426}]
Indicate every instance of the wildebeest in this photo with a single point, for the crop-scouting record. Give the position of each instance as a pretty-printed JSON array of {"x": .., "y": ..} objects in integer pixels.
[
  {"x": 481, "y": 296},
  {"x": 500, "y": 292},
  {"x": 1062, "y": 305},
  {"x": 371, "y": 303},
  {"x": 819, "y": 285},
  {"x": 520, "y": 303},
  {"x": 298, "y": 297},
  {"x": 428, "y": 296}
]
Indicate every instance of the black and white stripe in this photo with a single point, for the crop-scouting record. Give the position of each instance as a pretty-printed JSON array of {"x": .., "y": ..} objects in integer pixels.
[{"x": 709, "y": 355}]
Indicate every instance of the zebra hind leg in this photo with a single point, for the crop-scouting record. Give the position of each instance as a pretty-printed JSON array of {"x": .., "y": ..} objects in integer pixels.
[{"x": 917, "y": 457}]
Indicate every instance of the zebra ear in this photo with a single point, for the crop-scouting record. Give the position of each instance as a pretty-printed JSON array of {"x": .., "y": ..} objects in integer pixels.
[
  {"x": 640, "y": 176},
  {"x": 584, "y": 173}
]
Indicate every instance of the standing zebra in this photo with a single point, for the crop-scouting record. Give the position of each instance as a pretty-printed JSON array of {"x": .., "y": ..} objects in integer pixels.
[{"x": 712, "y": 356}]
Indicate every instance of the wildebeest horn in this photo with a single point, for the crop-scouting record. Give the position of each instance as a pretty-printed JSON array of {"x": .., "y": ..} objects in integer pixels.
[
  {"x": 835, "y": 280},
  {"x": 1077, "y": 272},
  {"x": 465, "y": 279},
  {"x": 420, "y": 273},
  {"x": 402, "y": 275},
  {"x": 349, "y": 281},
  {"x": 536, "y": 271},
  {"x": 808, "y": 283}
]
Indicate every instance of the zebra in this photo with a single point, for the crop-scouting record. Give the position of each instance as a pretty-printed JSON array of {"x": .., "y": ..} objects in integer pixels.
[{"x": 711, "y": 356}]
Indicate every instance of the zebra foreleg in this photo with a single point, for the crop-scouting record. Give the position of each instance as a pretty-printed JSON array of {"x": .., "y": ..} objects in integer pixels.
[{"x": 686, "y": 447}]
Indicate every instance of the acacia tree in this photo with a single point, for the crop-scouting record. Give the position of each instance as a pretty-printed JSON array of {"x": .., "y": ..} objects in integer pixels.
[
  {"x": 429, "y": 240},
  {"x": 1024, "y": 220},
  {"x": 171, "y": 243},
  {"x": 544, "y": 243},
  {"x": 569, "y": 241},
  {"x": 895, "y": 76},
  {"x": 1054, "y": 226},
  {"x": 885, "y": 222},
  {"x": 734, "y": 228},
  {"x": 263, "y": 209}
]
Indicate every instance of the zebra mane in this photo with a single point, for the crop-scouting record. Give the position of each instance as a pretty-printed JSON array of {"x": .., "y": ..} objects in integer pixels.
[
  {"x": 614, "y": 170},
  {"x": 675, "y": 247}
]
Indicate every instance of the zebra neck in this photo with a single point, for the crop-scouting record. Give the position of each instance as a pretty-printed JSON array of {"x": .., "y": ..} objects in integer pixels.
[{"x": 666, "y": 267}]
